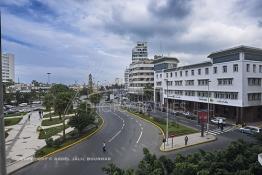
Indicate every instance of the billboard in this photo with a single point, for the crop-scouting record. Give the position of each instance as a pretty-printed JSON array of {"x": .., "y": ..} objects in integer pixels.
[{"x": 202, "y": 116}]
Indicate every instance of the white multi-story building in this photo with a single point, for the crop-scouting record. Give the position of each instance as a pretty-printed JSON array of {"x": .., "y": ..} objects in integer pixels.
[
  {"x": 231, "y": 79},
  {"x": 8, "y": 67},
  {"x": 139, "y": 52},
  {"x": 126, "y": 77},
  {"x": 141, "y": 74}
]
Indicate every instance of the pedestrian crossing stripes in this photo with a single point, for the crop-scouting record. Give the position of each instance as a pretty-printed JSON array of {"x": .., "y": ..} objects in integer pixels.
[{"x": 219, "y": 131}]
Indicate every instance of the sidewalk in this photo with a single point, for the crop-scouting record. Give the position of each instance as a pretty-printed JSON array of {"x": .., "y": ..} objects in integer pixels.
[
  {"x": 193, "y": 139},
  {"x": 47, "y": 118},
  {"x": 22, "y": 142}
]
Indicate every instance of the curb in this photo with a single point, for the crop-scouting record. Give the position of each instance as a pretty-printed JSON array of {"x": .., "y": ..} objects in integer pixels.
[
  {"x": 64, "y": 148},
  {"x": 188, "y": 146},
  {"x": 162, "y": 132}
]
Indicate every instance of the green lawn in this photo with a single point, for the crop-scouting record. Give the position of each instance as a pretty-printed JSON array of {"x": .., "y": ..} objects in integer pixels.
[
  {"x": 49, "y": 114},
  {"x": 51, "y": 122},
  {"x": 46, "y": 133},
  {"x": 16, "y": 114},
  {"x": 46, "y": 150},
  {"x": 12, "y": 121},
  {"x": 173, "y": 128}
]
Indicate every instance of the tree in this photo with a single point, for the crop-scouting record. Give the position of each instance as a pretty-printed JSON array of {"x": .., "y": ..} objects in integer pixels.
[
  {"x": 62, "y": 100},
  {"x": 48, "y": 102},
  {"x": 95, "y": 98},
  {"x": 148, "y": 92},
  {"x": 84, "y": 117},
  {"x": 58, "y": 88}
]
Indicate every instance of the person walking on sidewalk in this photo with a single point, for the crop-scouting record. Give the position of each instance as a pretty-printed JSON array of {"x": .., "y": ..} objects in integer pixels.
[
  {"x": 104, "y": 146},
  {"x": 186, "y": 140},
  {"x": 29, "y": 116},
  {"x": 40, "y": 114}
]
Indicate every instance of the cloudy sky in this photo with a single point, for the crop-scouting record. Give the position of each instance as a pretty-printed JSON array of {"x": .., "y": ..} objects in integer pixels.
[{"x": 72, "y": 38}]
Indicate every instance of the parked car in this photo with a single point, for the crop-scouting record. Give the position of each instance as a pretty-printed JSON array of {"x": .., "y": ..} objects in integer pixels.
[
  {"x": 23, "y": 104},
  {"x": 250, "y": 130},
  {"x": 215, "y": 120}
]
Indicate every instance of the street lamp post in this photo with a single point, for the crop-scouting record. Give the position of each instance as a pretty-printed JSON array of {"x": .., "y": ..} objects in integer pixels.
[
  {"x": 48, "y": 77},
  {"x": 208, "y": 103},
  {"x": 166, "y": 111}
]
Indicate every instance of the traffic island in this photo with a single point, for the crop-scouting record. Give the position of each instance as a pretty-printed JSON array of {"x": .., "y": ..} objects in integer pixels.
[{"x": 179, "y": 142}]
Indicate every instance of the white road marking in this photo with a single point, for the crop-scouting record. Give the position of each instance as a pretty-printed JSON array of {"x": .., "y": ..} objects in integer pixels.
[
  {"x": 123, "y": 125},
  {"x": 140, "y": 135}
]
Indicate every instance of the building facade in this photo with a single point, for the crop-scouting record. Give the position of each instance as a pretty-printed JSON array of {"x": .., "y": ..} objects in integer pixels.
[
  {"x": 141, "y": 74},
  {"x": 230, "y": 81},
  {"x": 8, "y": 67},
  {"x": 139, "y": 52},
  {"x": 126, "y": 78}
]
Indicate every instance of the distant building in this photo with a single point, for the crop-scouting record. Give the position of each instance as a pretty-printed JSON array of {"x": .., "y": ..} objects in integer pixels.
[
  {"x": 139, "y": 52},
  {"x": 141, "y": 73},
  {"x": 8, "y": 67},
  {"x": 126, "y": 77}
]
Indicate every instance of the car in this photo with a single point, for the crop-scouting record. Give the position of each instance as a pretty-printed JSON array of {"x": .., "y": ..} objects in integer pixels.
[
  {"x": 36, "y": 102},
  {"x": 216, "y": 120},
  {"x": 23, "y": 104},
  {"x": 250, "y": 130}
]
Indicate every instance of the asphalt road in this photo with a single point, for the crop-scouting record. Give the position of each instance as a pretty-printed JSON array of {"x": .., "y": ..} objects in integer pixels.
[{"x": 125, "y": 138}]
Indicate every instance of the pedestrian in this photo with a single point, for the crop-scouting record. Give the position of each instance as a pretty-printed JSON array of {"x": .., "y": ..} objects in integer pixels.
[
  {"x": 29, "y": 116},
  {"x": 40, "y": 114},
  {"x": 186, "y": 140},
  {"x": 104, "y": 146},
  {"x": 218, "y": 124},
  {"x": 222, "y": 126}
]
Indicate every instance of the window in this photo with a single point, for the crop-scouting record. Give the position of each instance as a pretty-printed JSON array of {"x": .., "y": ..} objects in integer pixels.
[
  {"x": 226, "y": 95},
  {"x": 203, "y": 82},
  {"x": 181, "y": 73},
  {"x": 248, "y": 67},
  {"x": 192, "y": 72},
  {"x": 175, "y": 74},
  {"x": 199, "y": 71},
  {"x": 202, "y": 93},
  {"x": 158, "y": 83},
  {"x": 254, "y": 81},
  {"x": 260, "y": 68},
  {"x": 186, "y": 72},
  {"x": 206, "y": 71},
  {"x": 214, "y": 70},
  {"x": 225, "y": 81},
  {"x": 189, "y": 93},
  {"x": 178, "y": 83},
  {"x": 254, "y": 96},
  {"x": 166, "y": 75},
  {"x": 156, "y": 75},
  {"x": 224, "y": 69},
  {"x": 235, "y": 68},
  {"x": 254, "y": 68},
  {"x": 169, "y": 83},
  {"x": 160, "y": 75},
  {"x": 171, "y": 74},
  {"x": 189, "y": 82}
]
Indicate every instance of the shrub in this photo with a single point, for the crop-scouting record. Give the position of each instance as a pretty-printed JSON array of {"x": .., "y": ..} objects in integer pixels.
[{"x": 49, "y": 142}]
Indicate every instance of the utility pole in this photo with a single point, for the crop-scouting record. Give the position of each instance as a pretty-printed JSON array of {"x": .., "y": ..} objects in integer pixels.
[
  {"x": 2, "y": 124},
  {"x": 166, "y": 111},
  {"x": 208, "y": 103}
]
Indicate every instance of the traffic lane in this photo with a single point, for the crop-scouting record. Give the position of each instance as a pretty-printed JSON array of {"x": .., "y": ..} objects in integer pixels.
[
  {"x": 151, "y": 136},
  {"x": 125, "y": 145},
  {"x": 91, "y": 148}
]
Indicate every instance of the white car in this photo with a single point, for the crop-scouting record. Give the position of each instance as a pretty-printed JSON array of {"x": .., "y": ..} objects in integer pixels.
[
  {"x": 217, "y": 119},
  {"x": 250, "y": 130}
]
